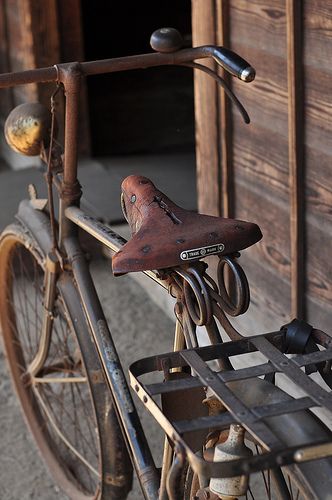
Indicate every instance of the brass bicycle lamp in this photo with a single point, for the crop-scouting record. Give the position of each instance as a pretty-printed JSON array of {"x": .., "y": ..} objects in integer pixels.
[{"x": 27, "y": 128}]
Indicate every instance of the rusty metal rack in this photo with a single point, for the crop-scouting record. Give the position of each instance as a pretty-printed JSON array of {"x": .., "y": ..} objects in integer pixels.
[{"x": 254, "y": 418}]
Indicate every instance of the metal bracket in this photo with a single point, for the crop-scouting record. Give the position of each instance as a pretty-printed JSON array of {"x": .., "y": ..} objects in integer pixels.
[{"x": 37, "y": 203}]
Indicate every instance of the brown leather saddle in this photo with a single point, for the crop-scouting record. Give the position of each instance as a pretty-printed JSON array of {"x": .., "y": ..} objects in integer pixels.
[{"x": 166, "y": 235}]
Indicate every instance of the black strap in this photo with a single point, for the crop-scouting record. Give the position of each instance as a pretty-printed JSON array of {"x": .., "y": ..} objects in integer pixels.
[
  {"x": 297, "y": 336},
  {"x": 296, "y": 339}
]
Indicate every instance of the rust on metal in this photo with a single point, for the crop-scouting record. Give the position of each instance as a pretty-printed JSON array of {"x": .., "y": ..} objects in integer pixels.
[
  {"x": 233, "y": 396},
  {"x": 115, "y": 480},
  {"x": 114, "y": 65},
  {"x": 97, "y": 377},
  {"x": 27, "y": 128}
]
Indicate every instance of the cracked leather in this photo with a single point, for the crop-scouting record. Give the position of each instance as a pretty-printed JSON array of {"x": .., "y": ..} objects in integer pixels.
[{"x": 164, "y": 233}]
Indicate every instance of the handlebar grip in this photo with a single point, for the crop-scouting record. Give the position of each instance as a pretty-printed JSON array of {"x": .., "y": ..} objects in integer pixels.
[{"x": 233, "y": 63}]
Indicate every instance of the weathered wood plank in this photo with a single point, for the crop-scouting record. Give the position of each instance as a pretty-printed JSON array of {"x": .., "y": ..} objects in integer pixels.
[
  {"x": 269, "y": 308},
  {"x": 318, "y": 255},
  {"x": 318, "y": 34},
  {"x": 318, "y": 110},
  {"x": 260, "y": 158},
  {"x": 318, "y": 96},
  {"x": 265, "y": 184},
  {"x": 20, "y": 45},
  {"x": 225, "y": 117},
  {"x": 206, "y": 114},
  {"x": 263, "y": 208},
  {"x": 44, "y": 28},
  {"x": 259, "y": 24},
  {"x": 6, "y": 101},
  {"x": 70, "y": 30},
  {"x": 296, "y": 156},
  {"x": 272, "y": 254},
  {"x": 46, "y": 44},
  {"x": 319, "y": 188},
  {"x": 71, "y": 38},
  {"x": 266, "y": 97},
  {"x": 33, "y": 42}
]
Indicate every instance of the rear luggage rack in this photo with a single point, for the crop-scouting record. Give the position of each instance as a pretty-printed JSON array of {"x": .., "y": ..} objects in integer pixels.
[{"x": 275, "y": 452}]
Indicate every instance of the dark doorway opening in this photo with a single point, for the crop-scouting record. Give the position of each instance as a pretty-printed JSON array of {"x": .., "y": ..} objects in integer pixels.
[{"x": 142, "y": 111}]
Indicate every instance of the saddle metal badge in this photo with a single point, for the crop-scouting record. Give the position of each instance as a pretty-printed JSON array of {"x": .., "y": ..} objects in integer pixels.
[{"x": 195, "y": 253}]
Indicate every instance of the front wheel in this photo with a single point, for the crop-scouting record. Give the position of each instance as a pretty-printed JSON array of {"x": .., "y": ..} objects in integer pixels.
[{"x": 67, "y": 404}]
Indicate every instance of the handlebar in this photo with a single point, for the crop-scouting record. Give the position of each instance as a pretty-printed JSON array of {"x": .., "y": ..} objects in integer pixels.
[
  {"x": 166, "y": 41},
  {"x": 229, "y": 60}
]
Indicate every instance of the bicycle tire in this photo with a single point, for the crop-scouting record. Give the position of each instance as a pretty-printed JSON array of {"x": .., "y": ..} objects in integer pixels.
[
  {"x": 308, "y": 481},
  {"x": 71, "y": 354}
]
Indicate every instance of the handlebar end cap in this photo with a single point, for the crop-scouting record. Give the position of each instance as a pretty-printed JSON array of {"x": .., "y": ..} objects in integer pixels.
[{"x": 248, "y": 74}]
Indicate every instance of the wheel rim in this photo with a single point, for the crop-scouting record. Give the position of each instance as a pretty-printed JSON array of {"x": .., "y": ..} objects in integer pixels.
[{"x": 57, "y": 405}]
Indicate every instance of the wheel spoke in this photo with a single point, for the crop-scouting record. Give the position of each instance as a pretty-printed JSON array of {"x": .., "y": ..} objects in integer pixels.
[
  {"x": 290, "y": 488},
  {"x": 65, "y": 416},
  {"x": 251, "y": 493},
  {"x": 267, "y": 489},
  {"x": 58, "y": 402},
  {"x": 59, "y": 380},
  {"x": 63, "y": 438}
]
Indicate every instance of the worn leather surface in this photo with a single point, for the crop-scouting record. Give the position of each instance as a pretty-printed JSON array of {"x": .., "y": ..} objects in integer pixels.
[{"x": 162, "y": 232}]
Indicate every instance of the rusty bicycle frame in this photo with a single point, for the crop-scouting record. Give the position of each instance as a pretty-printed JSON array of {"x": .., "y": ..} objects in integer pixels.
[{"x": 70, "y": 217}]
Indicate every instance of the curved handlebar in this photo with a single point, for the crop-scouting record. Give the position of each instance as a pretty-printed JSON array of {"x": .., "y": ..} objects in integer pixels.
[
  {"x": 229, "y": 60},
  {"x": 169, "y": 40}
]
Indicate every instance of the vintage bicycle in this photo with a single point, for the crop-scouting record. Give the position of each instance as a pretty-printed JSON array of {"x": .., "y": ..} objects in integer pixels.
[{"x": 222, "y": 425}]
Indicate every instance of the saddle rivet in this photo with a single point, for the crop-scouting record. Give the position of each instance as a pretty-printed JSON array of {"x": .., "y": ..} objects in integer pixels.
[{"x": 133, "y": 198}]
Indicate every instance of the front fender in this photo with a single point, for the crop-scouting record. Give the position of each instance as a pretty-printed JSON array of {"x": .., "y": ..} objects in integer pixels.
[{"x": 37, "y": 223}]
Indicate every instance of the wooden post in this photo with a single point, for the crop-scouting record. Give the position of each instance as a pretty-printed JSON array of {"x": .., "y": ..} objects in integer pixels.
[
  {"x": 72, "y": 49},
  {"x": 225, "y": 118},
  {"x": 20, "y": 46},
  {"x": 296, "y": 156},
  {"x": 6, "y": 100},
  {"x": 206, "y": 113}
]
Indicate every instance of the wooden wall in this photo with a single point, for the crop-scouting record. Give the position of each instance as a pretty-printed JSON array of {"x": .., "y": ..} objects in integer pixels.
[
  {"x": 276, "y": 171},
  {"x": 40, "y": 33},
  {"x": 28, "y": 40}
]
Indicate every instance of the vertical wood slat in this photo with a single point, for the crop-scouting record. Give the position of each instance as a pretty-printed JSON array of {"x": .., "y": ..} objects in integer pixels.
[
  {"x": 296, "y": 156},
  {"x": 206, "y": 113},
  {"x": 33, "y": 42},
  {"x": 20, "y": 46},
  {"x": 6, "y": 101},
  {"x": 225, "y": 119},
  {"x": 72, "y": 49},
  {"x": 45, "y": 39}
]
